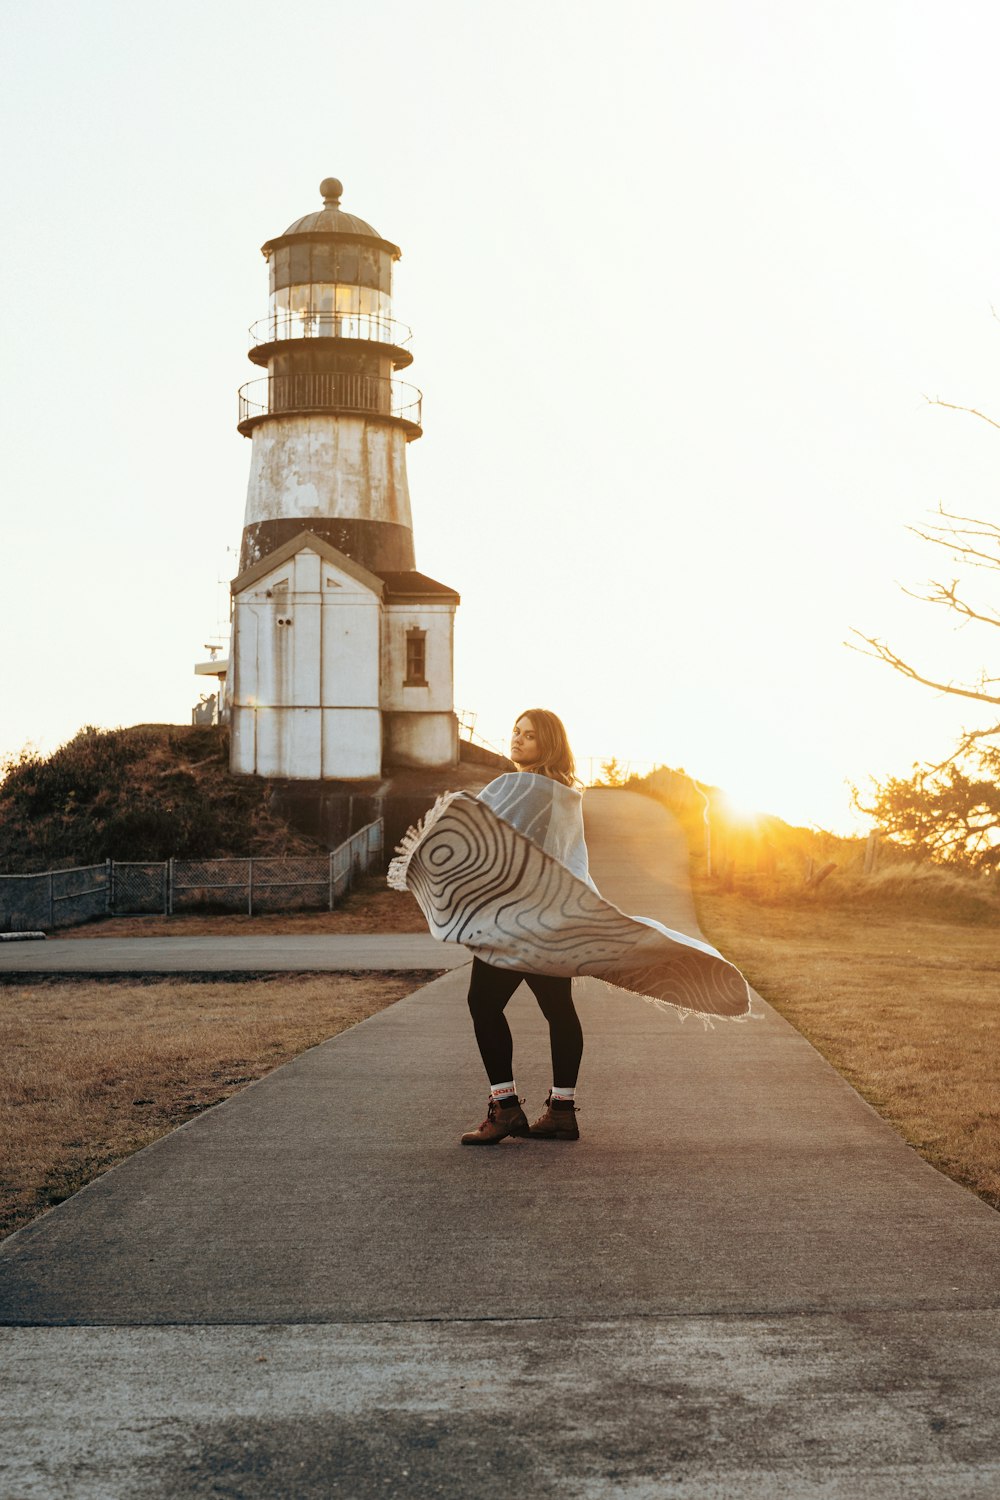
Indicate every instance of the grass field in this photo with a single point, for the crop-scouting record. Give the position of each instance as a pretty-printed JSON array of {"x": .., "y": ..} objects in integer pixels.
[
  {"x": 90, "y": 1072},
  {"x": 907, "y": 1008}
]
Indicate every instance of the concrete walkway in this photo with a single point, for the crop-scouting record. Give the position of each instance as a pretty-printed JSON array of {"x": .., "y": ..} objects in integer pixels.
[
  {"x": 236, "y": 954},
  {"x": 739, "y": 1283}
]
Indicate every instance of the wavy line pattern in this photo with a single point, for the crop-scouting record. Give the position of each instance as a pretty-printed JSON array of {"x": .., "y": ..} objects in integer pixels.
[{"x": 480, "y": 882}]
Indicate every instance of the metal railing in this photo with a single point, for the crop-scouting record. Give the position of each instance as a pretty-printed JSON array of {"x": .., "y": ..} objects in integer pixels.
[
  {"x": 371, "y": 327},
  {"x": 62, "y": 898},
  {"x": 312, "y": 390}
]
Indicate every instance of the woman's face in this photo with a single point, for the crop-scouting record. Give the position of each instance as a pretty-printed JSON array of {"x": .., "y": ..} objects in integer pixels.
[{"x": 523, "y": 743}]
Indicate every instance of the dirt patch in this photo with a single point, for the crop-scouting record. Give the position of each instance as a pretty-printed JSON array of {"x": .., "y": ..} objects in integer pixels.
[{"x": 370, "y": 908}]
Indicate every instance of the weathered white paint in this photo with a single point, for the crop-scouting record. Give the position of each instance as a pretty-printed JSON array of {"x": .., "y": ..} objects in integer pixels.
[
  {"x": 419, "y": 725},
  {"x": 319, "y": 668},
  {"x": 305, "y": 694},
  {"x": 352, "y": 744},
  {"x": 314, "y": 467},
  {"x": 421, "y": 739},
  {"x": 437, "y": 618}
]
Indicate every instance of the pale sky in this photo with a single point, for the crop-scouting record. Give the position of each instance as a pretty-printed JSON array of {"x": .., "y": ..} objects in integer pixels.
[{"x": 680, "y": 277}]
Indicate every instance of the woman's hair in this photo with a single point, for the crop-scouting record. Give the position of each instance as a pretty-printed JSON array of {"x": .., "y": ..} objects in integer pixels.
[{"x": 555, "y": 758}]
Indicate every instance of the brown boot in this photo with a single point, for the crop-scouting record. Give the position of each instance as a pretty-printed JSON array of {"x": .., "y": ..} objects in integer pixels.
[
  {"x": 498, "y": 1124},
  {"x": 555, "y": 1124}
]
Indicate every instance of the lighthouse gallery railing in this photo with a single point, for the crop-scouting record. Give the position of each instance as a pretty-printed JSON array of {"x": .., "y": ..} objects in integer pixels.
[
  {"x": 286, "y": 324},
  {"x": 323, "y": 391}
]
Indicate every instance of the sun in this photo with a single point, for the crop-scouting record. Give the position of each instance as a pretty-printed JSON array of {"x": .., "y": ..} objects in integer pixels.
[{"x": 739, "y": 807}]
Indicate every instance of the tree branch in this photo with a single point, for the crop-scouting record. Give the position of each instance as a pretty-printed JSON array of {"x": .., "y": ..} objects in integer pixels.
[
  {"x": 992, "y": 527},
  {"x": 965, "y": 744},
  {"x": 954, "y": 406},
  {"x": 946, "y": 594},
  {"x": 882, "y": 652},
  {"x": 960, "y": 551}
]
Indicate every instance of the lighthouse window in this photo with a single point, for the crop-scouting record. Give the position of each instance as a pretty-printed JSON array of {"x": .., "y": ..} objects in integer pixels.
[
  {"x": 328, "y": 309},
  {"x": 327, "y": 296},
  {"x": 416, "y": 658},
  {"x": 298, "y": 263}
]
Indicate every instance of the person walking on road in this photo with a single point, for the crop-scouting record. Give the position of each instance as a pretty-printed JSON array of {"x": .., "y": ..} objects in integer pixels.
[
  {"x": 543, "y": 800},
  {"x": 507, "y": 875}
]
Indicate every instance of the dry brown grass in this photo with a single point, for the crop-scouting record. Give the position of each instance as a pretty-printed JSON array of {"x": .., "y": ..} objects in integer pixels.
[
  {"x": 90, "y": 1072},
  {"x": 371, "y": 907},
  {"x": 907, "y": 1008}
]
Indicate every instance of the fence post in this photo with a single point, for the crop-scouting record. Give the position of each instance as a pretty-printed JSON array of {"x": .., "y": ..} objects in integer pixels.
[
  {"x": 707, "y": 818},
  {"x": 109, "y": 904},
  {"x": 170, "y": 887},
  {"x": 330, "y": 861},
  {"x": 250, "y": 887},
  {"x": 52, "y": 905},
  {"x": 871, "y": 852}
]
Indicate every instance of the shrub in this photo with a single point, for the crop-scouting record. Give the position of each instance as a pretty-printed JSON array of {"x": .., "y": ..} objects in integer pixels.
[{"x": 145, "y": 793}]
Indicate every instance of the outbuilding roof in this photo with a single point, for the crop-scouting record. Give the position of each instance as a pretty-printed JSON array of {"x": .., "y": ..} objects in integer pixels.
[
  {"x": 298, "y": 543},
  {"x": 413, "y": 585},
  {"x": 406, "y": 584}
]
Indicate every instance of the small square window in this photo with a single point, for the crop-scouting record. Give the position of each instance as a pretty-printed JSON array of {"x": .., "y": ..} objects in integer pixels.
[{"x": 416, "y": 659}]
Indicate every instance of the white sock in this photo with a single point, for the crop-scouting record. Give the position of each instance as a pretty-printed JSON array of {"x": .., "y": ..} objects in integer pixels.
[
  {"x": 500, "y": 1090},
  {"x": 563, "y": 1093}
]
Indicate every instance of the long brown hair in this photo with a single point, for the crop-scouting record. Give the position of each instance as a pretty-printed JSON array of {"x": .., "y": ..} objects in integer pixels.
[{"x": 555, "y": 758}]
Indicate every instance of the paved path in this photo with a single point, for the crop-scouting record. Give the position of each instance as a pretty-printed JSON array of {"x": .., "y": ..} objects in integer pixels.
[
  {"x": 230, "y": 955},
  {"x": 739, "y": 1283}
]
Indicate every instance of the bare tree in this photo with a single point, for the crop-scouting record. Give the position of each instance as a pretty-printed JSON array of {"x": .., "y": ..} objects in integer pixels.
[
  {"x": 951, "y": 810},
  {"x": 971, "y": 542}
]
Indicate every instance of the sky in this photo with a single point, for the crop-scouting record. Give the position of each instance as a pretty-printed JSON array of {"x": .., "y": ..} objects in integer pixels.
[{"x": 681, "y": 278}]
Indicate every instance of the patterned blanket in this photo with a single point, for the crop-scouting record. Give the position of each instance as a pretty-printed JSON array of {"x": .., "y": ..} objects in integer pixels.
[{"x": 480, "y": 882}]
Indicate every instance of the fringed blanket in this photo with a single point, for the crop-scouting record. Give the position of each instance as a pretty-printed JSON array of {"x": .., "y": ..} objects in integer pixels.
[{"x": 480, "y": 881}]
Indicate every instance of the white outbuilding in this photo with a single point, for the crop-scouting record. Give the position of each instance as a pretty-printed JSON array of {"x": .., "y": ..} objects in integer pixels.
[{"x": 338, "y": 670}]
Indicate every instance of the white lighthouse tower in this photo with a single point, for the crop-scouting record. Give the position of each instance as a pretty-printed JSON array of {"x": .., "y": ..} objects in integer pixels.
[{"x": 341, "y": 651}]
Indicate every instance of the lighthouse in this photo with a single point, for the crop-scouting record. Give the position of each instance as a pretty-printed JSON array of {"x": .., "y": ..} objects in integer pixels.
[{"x": 342, "y": 652}]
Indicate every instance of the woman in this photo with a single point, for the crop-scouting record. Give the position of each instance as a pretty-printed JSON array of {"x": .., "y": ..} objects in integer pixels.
[
  {"x": 506, "y": 875},
  {"x": 541, "y": 799}
]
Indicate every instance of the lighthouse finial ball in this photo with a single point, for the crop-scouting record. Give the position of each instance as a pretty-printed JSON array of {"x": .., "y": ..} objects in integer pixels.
[{"x": 331, "y": 188}]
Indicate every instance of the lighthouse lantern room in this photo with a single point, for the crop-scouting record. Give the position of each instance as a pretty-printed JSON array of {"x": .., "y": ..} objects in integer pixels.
[{"x": 342, "y": 652}]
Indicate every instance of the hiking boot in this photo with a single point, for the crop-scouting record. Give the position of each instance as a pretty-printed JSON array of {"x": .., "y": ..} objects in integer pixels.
[
  {"x": 499, "y": 1123},
  {"x": 556, "y": 1124}
]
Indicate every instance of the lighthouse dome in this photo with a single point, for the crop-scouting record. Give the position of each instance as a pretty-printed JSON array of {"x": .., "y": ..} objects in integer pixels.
[{"x": 331, "y": 218}]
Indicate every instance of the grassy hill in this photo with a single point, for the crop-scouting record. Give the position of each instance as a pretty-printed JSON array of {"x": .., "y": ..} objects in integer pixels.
[
  {"x": 148, "y": 792},
  {"x": 773, "y": 863}
]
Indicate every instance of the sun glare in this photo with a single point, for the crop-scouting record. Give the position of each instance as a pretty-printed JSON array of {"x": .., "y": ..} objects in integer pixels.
[{"x": 740, "y": 807}]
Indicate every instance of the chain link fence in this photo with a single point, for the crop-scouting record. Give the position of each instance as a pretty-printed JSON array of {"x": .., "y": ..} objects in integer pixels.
[
  {"x": 62, "y": 898},
  {"x": 58, "y": 898},
  {"x": 138, "y": 888}
]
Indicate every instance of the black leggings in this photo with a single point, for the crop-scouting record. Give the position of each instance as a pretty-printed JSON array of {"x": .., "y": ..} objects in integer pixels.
[{"x": 489, "y": 991}]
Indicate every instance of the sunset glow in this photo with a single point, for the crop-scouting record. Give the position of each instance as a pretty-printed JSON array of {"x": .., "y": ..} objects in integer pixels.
[{"x": 676, "y": 316}]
